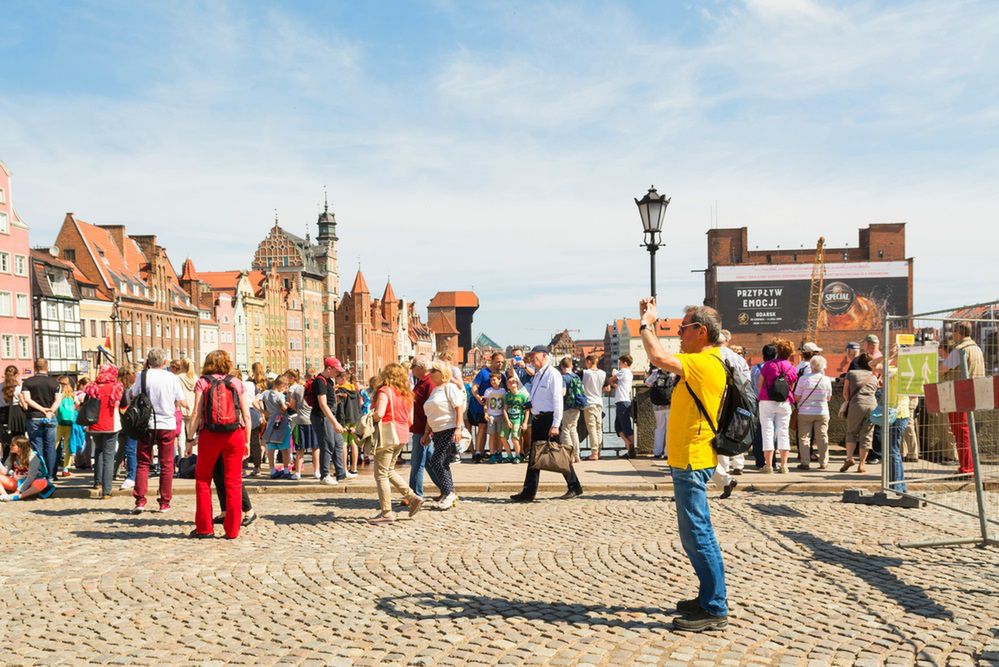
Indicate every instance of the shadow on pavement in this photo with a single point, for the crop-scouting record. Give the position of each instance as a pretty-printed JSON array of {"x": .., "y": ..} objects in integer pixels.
[
  {"x": 76, "y": 511},
  {"x": 112, "y": 534},
  {"x": 777, "y": 510},
  {"x": 431, "y": 606},
  {"x": 874, "y": 570},
  {"x": 148, "y": 522}
]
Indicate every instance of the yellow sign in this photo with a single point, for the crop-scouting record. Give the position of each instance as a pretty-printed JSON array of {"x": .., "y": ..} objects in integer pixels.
[{"x": 905, "y": 339}]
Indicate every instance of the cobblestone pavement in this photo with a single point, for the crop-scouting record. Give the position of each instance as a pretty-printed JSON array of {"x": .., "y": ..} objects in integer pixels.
[{"x": 591, "y": 581}]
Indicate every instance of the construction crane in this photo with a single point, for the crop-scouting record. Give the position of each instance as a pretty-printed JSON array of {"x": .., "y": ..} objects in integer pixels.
[{"x": 815, "y": 292}]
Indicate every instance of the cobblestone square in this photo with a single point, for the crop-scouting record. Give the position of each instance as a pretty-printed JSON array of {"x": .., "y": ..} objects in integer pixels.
[{"x": 592, "y": 581}]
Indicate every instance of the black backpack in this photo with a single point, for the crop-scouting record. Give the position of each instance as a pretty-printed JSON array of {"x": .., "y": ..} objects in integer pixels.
[
  {"x": 737, "y": 415},
  {"x": 135, "y": 420},
  {"x": 780, "y": 389},
  {"x": 661, "y": 391}
]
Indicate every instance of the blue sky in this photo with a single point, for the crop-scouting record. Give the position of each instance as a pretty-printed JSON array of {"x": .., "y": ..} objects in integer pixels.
[{"x": 499, "y": 145}]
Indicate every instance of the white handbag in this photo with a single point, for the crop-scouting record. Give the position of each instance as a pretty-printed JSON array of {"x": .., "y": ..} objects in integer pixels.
[{"x": 465, "y": 439}]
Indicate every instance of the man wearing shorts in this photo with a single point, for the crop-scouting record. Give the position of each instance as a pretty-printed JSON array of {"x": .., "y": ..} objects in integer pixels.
[
  {"x": 476, "y": 410},
  {"x": 622, "y": 379}
]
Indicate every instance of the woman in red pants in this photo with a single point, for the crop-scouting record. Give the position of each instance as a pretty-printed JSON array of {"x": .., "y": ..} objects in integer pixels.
[{"x": 222, "y": 421}]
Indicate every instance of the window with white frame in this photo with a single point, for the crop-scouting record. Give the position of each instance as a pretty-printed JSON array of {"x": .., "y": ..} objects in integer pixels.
[
  {"x": 149, "y": 328},
  {"x": 51, "y": 310},
  {"x": 4, "y": 224},
  {"x": 128, "y": 327},
  {"x": 3, "y": 196},
  {"x": 70, "y": 345},
  {"x": 24, "y": 347},
  {"x": 20, "y": 265},
  {"x": 7, "y": 346},
  {"x": 5, "y": 261},
  {"x": 5, "y": 304},
  {"x": 159, "y": 330},
  {"x": 68, "y": 312},
  {"x": 54, "y": 352},
  {"x": 23, "y": 305}
]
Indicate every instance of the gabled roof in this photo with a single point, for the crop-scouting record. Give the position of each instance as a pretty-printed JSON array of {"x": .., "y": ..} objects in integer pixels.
[
  {"x": 455, "y": 300},
  {"x": 113, "y": 267},
  {"x": 42, "y": 264}
]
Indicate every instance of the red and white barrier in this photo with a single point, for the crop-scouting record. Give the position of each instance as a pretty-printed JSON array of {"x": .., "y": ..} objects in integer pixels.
[{"x": 963, "y": 395}]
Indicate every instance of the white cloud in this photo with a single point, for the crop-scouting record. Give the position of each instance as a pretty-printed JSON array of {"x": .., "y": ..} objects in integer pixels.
[{"x": 798, "y": 119}]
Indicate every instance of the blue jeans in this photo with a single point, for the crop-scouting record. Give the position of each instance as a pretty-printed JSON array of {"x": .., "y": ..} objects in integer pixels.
[
  {"x": 42, "y": 436},
  {"x": 330, "y": 446},
  {"x": 419, "y": 456},
  {"x": 697, "y": 536},
  {"x": 895, "y": 472}
]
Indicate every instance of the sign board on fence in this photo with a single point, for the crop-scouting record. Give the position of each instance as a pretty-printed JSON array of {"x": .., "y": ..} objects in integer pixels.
[
  {"x": 905, "y": 339},
  {"x": 917, "y": 366},
  {"x": 774, "y": 297}
]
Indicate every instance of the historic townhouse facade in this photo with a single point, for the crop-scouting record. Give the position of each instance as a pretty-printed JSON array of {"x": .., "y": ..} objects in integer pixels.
[
  {"x": 310, "y": 269},
  {"x": 56, "y": 309},
  {"x": 135, "y": 273},
  {"x": 16, "y": 337}
]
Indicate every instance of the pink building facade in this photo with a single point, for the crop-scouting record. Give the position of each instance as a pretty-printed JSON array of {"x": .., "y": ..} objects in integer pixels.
[
  {"x": 225, "y": 315},
  {"x": 16, "y": 346}
]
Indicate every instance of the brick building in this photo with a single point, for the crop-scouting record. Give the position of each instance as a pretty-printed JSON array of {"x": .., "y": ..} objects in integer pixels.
[
  {"x": 16, "y": 340},
  {"x": 135, "y": 273},
  {"x": 450, "y": 318},
  {"x": 624, "y": 337},
  {"x": 761, "y": 294},
  {"x": 367, "y": 329}
]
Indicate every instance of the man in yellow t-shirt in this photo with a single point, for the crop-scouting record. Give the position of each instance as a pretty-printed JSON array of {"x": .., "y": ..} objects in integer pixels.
[{"x": 691, "y": 455}]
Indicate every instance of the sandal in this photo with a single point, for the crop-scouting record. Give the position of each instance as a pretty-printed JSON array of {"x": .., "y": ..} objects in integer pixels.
[
  {"x": 381, "y": 518},
  {"x": 846, "y": 465}
]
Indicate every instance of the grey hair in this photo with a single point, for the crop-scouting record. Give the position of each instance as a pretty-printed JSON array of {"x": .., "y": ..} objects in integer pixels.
[
  {"x": 155, "y": 358},
  {"x": 421, "y": 361},
  {"x": 724, "y": 336},
  {"x": 708, "y": 318},
  {"x": 817, "y": 364}
]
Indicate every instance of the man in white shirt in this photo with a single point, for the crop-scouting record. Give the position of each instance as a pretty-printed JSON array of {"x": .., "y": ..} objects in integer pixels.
[
  {"x": 594, "y": 380},
  {"x": 622, "y": 379},
  {"x": 546, "y": 417},
  {"x": 166, "y": 394}
]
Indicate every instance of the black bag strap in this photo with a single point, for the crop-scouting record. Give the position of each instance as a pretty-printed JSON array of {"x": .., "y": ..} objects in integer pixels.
[{"x": 697, "y": 401}]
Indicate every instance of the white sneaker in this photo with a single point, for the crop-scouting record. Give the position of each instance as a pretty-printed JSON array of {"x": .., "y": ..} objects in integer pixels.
[
  {"x": 316, "y": 475},
  {"x": 128, "y": 484},
  {"x": 448, "y": 502},
  {"x": 296, "y": 475},
  {"x": 350, "y": 475},
  {"x": 329, "y": 481}
]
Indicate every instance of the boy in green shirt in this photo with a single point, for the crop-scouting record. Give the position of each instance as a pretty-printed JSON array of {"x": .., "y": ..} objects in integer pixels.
[{"x": 516, "y": 415}]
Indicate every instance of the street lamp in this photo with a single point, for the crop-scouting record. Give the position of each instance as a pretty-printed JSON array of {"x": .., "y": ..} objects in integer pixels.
[{"x": 652, "y": 208}]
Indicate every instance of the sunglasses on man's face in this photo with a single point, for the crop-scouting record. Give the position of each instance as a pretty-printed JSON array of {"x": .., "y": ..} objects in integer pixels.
[{"x": 689, "y": 324}]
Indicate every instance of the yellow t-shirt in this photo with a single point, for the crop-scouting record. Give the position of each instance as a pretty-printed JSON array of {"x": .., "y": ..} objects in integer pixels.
[{"x": 688, "y": 435}]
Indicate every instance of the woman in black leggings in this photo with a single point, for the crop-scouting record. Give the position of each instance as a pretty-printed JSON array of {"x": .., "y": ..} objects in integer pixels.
[{"x": 445, "y": 409}]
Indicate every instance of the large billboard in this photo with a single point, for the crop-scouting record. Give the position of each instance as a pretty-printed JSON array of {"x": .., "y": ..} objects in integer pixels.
[{"x": 774, "y": 297}]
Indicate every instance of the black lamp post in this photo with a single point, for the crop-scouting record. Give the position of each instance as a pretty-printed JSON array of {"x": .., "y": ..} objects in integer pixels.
[{"x": 652, "y": 208}]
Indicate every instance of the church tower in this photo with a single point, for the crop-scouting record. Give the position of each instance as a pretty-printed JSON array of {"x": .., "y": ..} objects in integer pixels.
[{"x": 326, "y": 258}]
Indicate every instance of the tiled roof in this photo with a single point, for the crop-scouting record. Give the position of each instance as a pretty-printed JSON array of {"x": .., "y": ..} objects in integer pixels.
[
  {"x": 442, "y": 325},
  {"x": 388, "y": 296},
  {"x": 220, "y": 280},
  {"x": 112, "y": 266},
  {"x": 455, "y": 300},
  {"x": 360, "y": 284},
  {"x": 668, "y": 327}
]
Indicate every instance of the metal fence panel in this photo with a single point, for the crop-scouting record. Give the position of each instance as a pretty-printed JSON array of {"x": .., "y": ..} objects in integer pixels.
[{"x": 947, "y": 458}]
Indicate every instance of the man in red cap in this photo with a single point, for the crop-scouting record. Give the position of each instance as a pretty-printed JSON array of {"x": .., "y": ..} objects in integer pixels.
[{"x": 325, "y": 427}]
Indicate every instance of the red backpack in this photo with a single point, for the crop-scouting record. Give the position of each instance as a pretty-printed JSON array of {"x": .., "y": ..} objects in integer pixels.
[
  {"x": 310, "y": 399},
  {"x": 221, "y": 401}
]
